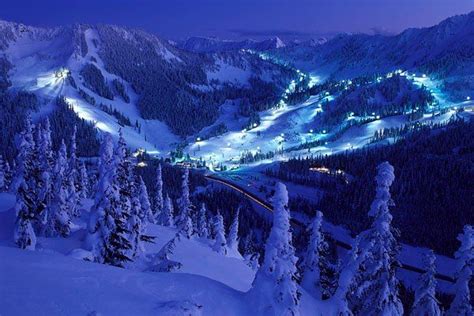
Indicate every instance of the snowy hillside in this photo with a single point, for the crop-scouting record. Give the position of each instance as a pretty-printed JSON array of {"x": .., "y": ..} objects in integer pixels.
[
  {"x": 442, "y": 50},
  {"x": 207, "y": 45},
  {"x": 159, "y": 109}
]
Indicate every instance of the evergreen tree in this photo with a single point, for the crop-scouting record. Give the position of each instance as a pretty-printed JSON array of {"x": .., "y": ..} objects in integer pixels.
[
  {"x": 462, "y": 303},
  {"x": 83, "y": 188},
  {"x": 167, "y": 216},
  {"x": 136, "y": 226},
  {"x": 220, "y": 244},
  {"x": 59, "y": 215},
  {"x": 184, "y": 222},
  {"x": 275, "y": 287},
  {"x": 347, "y": 279},
  {"x": 24, "y": 234},
  {"x": 147, "y": 213},
  {"x": 162, "y": 261},
  {"x": 8, "y": 175},
  {"x": 3, "y": 183},
  {"x": 73, "y": 177},
  {"x": 158, "y": 197},
  {"x": 202, "y": 222},
  {"x": 377, "y": 292},
  {"x": 315, "y": 277},
  {"x": 140, "y": 214},
  {"x": 45, "y": 174},
  {"x": 425, "y": 300},
  {"x": 233, "y": 238},
  {"x": 124, "y": 178},
  {"x": 108, "y": 225}
]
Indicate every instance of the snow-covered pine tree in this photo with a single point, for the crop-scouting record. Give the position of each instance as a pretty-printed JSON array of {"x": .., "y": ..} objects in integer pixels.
[
  {"x": 136, "y": 226},
  {"x": 59, "y": 215},
  {"x": 347, "y": 279},
  {"x": 162, "y": 261},
  {"x": 140, "y": 212},
  {"x": 83, "y": 189},
  {"x": 275, "y": 289},
  {"x": 248, "y": 244},
  {"x": 167, "y": 216},
  {"x": 316, "y": 265},
  {"x": 184, "y": 222},
  {"x": 124, "y": 177},
  {"x": 2, "y": 175},
  {"x": 73, "y": 180},
  {"x": 377, "y": 293},
  {"x": 158, "y": 202},
  {"x": 8, "y": 176},
  {"x": 425, "y": 295},
  {"x": 146, "y": 211},
  {"x": 233, "y": 238},
  {"x": 24, "y": 234},
  {"x": 220, "y": 244},
  {"x": 108, "y": 225},
  {"x": 202, "y": 222},
  {"x": 46, "y": 168},
  {"x": 462, "y": 303}
]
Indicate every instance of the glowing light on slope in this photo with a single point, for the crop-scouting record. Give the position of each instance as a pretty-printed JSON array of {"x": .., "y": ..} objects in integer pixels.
[{"x": 313, "y": 80}]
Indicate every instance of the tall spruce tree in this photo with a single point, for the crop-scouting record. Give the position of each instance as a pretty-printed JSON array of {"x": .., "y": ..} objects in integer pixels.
[
  {"x": 184, "y": 222},
  {"x": 3, "y": 185},
  {"x": 59, "y": 215},
  {"x": 315, "y": 268},
  {"x": 377, "y": 293},
  {"x": 167, "y": 216},
  {"x": 83, "y": 189},
  {"x": 275, "y": 289},
  {"x": 462, "y": 303},
  {"x": 158, "y": 202},
  {"x": 347, "y": 279},
  {"x": 202, "y": 222},
  {"x": 24, "y": 234},
  {"x": 108, "y": 225},
  {"x": 425, "y": 294},
  {"x": 146, "y": 211},
  {"x": 220, "y": 244},
  {"x": 73, "y": 176},
  {"x": 233, "y": 238},
  {"x": 46, "y": 167}
]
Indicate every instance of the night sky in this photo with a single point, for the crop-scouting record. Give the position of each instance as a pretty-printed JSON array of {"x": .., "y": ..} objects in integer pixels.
[{"x": 178, "y": 19}]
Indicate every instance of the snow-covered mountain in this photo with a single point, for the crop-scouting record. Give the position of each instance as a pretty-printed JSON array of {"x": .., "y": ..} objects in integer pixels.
[
  {"x": 443, "y": 49},
  {"x": 111, "y": 75},
  {"x": 207, "y": 44}
]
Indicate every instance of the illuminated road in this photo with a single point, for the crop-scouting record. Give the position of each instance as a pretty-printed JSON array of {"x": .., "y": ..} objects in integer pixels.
[{"x": 267, "y": 206}]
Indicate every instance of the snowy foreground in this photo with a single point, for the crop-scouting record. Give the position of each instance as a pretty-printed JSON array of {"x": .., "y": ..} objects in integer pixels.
[{"x": 51, "y": 281}]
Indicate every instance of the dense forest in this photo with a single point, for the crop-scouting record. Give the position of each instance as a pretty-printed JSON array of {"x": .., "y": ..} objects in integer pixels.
[
  {"x": 432, "y": 194},
  {"x": 171, "y": 96}
]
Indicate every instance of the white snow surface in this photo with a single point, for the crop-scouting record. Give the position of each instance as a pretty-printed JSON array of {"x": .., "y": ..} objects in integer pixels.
[{"x": 54, "y": 280}]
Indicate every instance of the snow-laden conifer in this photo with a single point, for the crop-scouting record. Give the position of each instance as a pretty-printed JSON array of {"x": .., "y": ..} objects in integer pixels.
[
  {"x": 275, "y": 289},
  {"x": 377, "y": 292},
  {"x": 462, "y": 303},
  {"x": 220, "y": 244},
  {"x": 425, "y": 303}
]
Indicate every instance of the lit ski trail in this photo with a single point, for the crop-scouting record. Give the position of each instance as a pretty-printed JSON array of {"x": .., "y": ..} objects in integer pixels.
[{"x": 288, "y": 126}]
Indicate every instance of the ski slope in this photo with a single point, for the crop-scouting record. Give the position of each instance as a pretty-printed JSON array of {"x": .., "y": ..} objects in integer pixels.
[{"x": 288, "y": 126}]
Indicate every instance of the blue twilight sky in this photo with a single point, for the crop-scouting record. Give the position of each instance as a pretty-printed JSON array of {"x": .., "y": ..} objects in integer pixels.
[{"x": 178, "y": 19}]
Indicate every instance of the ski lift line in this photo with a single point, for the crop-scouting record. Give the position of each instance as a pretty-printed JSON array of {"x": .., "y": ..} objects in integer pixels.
[{"x": 339, "y": 243}]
